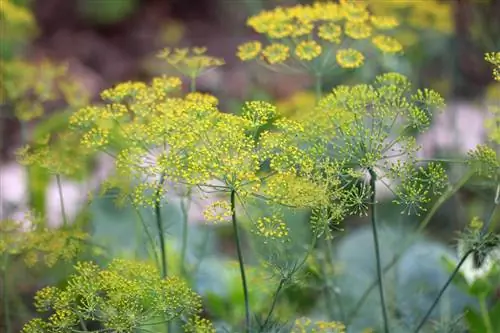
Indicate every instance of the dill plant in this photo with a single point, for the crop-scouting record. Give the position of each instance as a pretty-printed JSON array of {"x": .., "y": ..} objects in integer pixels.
[{"x": 164, "y": 139}]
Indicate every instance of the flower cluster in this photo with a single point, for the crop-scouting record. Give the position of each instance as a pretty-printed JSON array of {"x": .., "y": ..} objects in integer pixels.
[
  {"x": 370, "y": 130},
  {"x": 29, "y": 239},
  {"x": 415, "y": 17},
  {"x": 162, "y": 139},
  {"x": 28, "y": 87},
  {"x": 56, "y": 154},
  {"x": 20, "y": 24},
  {"x": 494, "y": 59},
  {"x": 305, "y": 36},
  {"x": 123, "y": 297},
  {"x": 306, "y": 325},
  {"x": 190, "y": 62}
]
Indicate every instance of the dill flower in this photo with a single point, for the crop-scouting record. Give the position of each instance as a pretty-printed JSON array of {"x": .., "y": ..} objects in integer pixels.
[
  {"x": 191, "y": 62},
  {"x": 384, "y": 22},
  {"x": 358, "y": 30},
  {"x": 494, "y": 59},
  {"x": 308, "y": 50},
  {"x": 196, "y": 324},
  {"x": 249, "y": 50},
  {"x": 306, "y": 325},
  {"x": 387, "y": 44},
  {"x": 124, "y": 296},
  {"x": 276, "y": 53},
  {"x": 272, "y": 227},
  {"x": 349, "y": 58},
  {"x": 218, "y": 211},
  {"x": 330, "y": 32}
]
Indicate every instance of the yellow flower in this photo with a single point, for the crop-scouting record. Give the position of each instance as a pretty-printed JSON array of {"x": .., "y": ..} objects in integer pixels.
[
  {"x": 350, "y": 58},
  {"x": 218, "y": 211},
  {"x": 358, "y": 30},
  {"x": 330, "y": 32},
  {"x": 276, "y": 53},
  {"x": 308, "y": 50},
  {"x": 387, "y": 44},
  {"x": 280, "y": 30},
  {"x": 384, "y": 22},
  {"x": 302, "y": 28},
  {"x": 249, "y": 50},
  {"x": 272, "y": 227}
]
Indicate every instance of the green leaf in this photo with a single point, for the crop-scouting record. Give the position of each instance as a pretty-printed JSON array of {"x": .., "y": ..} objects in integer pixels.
[{"x": 474, "y": 322}]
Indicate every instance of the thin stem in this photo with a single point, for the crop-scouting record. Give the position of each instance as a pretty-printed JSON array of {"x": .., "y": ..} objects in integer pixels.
[
  {"x": 61, "y": 200},
  {"x": 240, "y": 260},
  {"x": 185, "y": 206},
  {"x": 148, "y": 234},
  {"x": 451, "y": 191},
  {"x": 373, "y": 179},
  {"x": 163, "y": 249},
  {"x": 6, "y": 305},
  {"x": 327, "y": 262},
  {"x": 273, "y": 305},
  {"x": 485, "y": 315},
  {"x": 159, "y": 224},
  {"x": 441, "y": 292}
]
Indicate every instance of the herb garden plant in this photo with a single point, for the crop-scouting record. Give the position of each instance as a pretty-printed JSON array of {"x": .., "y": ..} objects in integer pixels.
[{"x": 285, "y": 185}]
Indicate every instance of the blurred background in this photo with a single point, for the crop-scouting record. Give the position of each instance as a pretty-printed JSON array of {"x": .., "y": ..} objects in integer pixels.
[{"x": 105, "y": 42}]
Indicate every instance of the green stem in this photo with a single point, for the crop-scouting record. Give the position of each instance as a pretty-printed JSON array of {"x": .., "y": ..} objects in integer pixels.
[
  {"x": 61, "y": 200},
  {"x": 328, "y": 262},
  {"x": 273, "y": 305},
  {"x": 6, "y": 306},
  {"x": 161, "y": 234},
  {"x": 380, "y": 277},
  {"x": 441, "y": 292},
  {"x": 485, "y": 315},
  {"x": 185, "y": 205},
  {"x": 240, "y": 260},
  {"x": 159, "y": 224},
  {"x": 451, "y": 191}
]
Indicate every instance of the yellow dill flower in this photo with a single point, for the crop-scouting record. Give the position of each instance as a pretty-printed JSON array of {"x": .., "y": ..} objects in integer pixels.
[
  {"x": 355, "y": 11},
  {"x": 308, "y": 50},
  {"x": 218, "y": 211},
  {"x": 191, "y": 62},
  {"x": 384, "y": 22},
  {"x": 196, "y": 324},
  {"x": 330, "y": 32},
  {"x": 202, "y": 98},
  {"x": 249, "y": 50},
  {"x": 387, "y": 44},
  {"x": 358, "y": 30},
  {"x": 349, "y": 58},
  {"x": 271, "y": 227},
  {"x": 301, "y": 28},
  {"x": 258, "y": 112},
  {"x": 276, "y": 53},
  {"x": 278, "y": 30},
  {"x": 494, "y": 59},
  {"x": 306, "y": 325}
]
